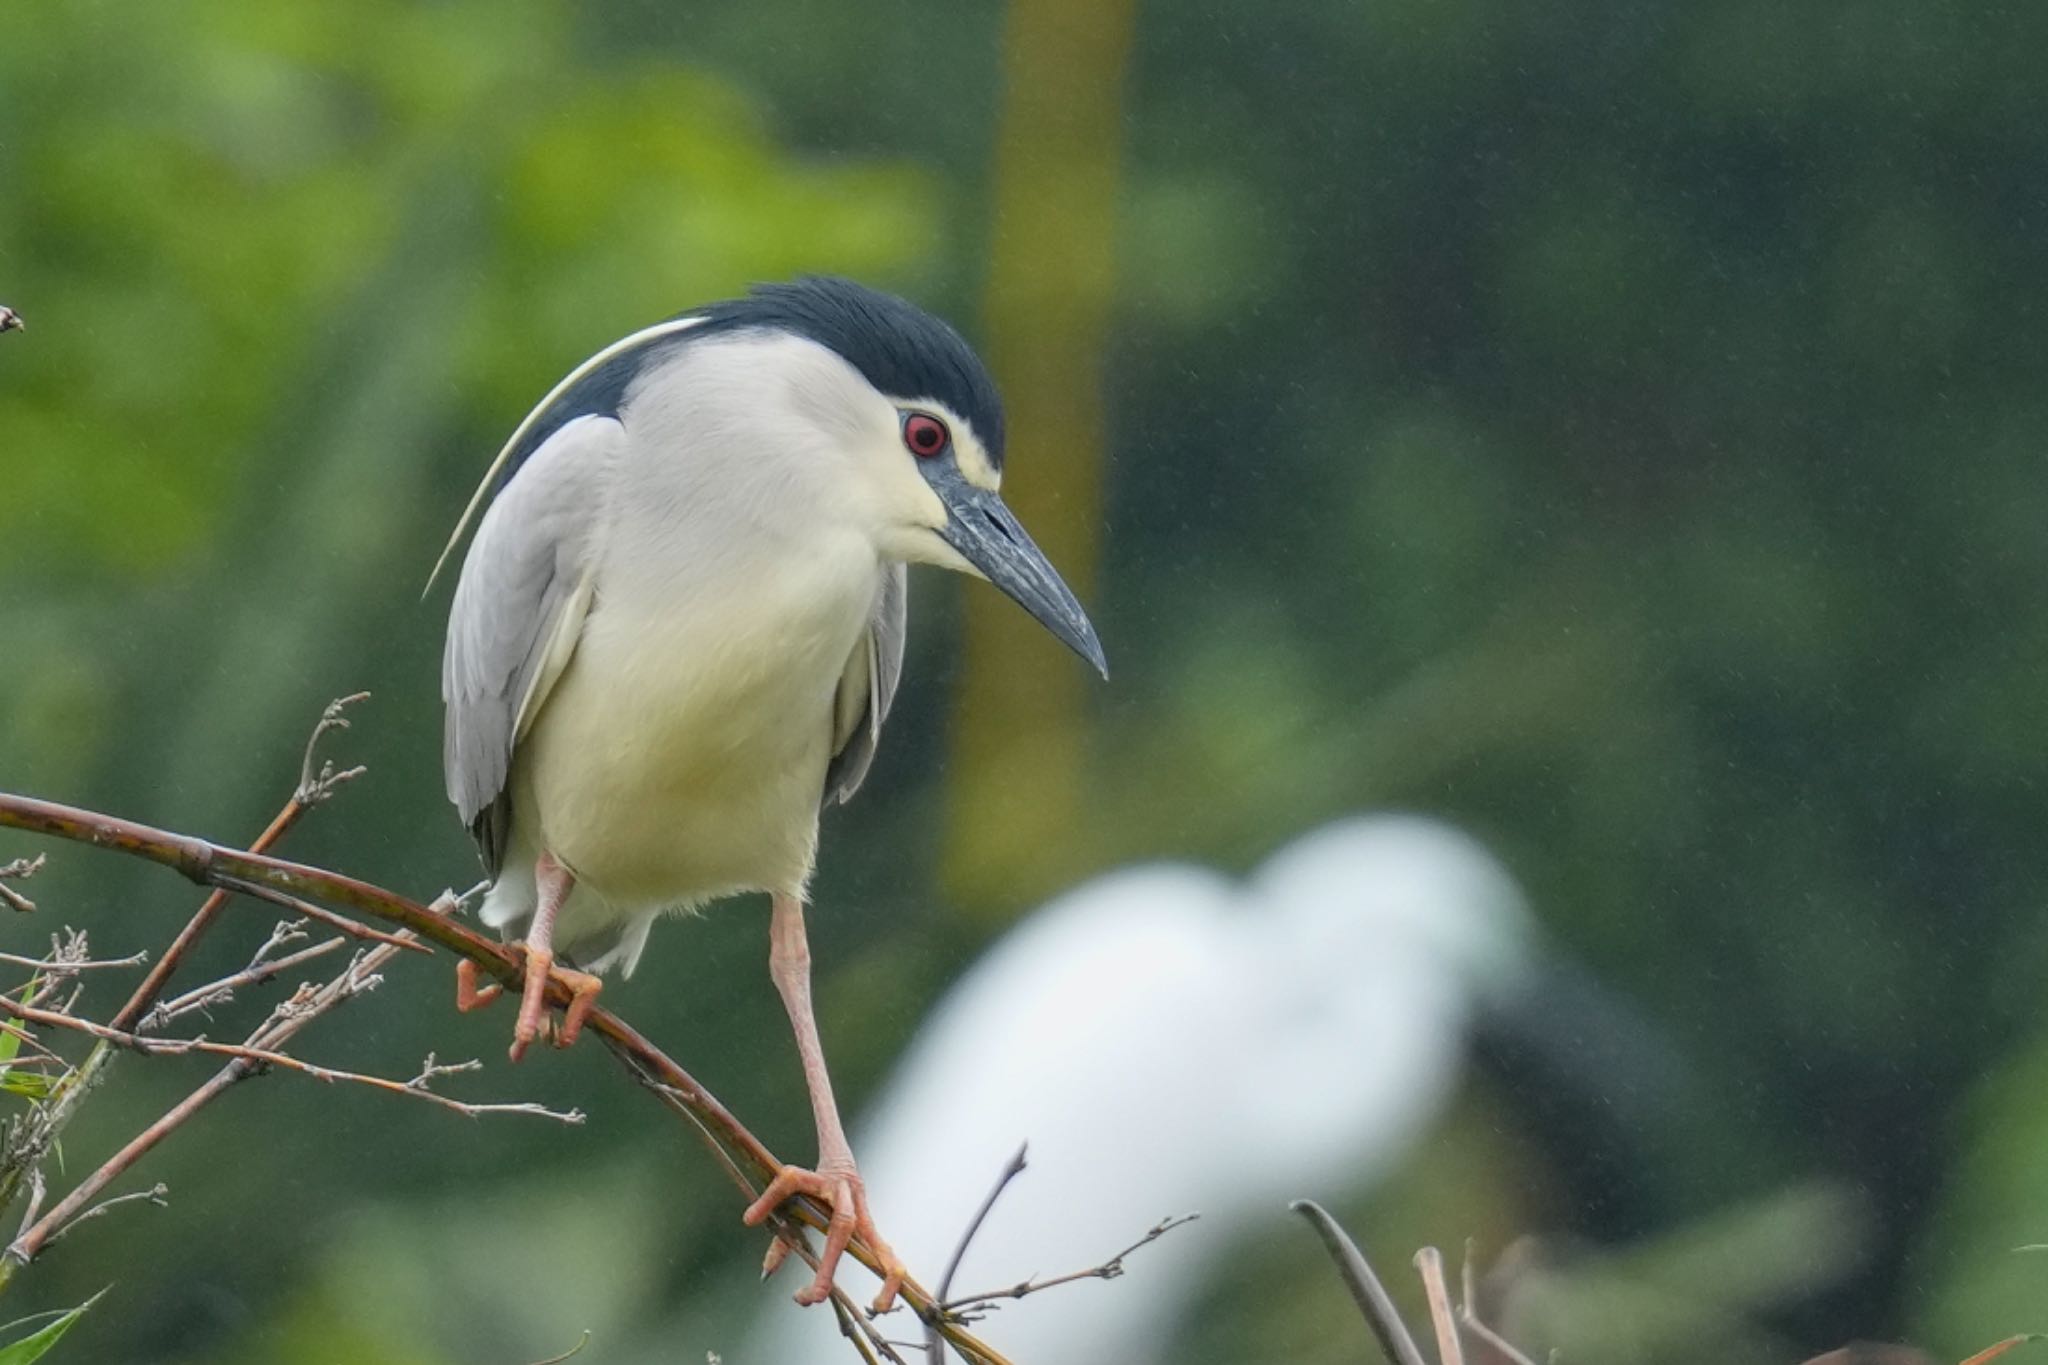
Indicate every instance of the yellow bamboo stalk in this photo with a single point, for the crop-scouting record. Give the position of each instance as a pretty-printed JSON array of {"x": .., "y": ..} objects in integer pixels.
[{"x": 1016, "y": 786}]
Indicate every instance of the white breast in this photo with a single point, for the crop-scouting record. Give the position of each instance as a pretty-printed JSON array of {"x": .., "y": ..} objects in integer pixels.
[{"x": 682, "y": 754}]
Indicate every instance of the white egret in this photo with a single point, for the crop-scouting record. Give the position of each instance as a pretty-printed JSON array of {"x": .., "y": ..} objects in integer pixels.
[{"x": 1171, "y": 1040}]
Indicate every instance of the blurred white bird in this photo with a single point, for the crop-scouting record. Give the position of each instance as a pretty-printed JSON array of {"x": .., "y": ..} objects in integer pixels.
[{"x": 1170, "y": 1041}]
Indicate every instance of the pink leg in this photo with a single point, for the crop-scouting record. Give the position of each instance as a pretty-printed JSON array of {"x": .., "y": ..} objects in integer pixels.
[
  {"x": 836, "y": 1183},
  {"x": 553, "y": 883}
]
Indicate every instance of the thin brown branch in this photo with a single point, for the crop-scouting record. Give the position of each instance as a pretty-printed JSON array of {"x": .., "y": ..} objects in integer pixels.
[
  {"x": 965, "y": 1307},
  {"x": 1450, "y": 1347},
  {"x": 210, "y": 864},
  {"x": 264, "y": 892},
  {"x": 1395, "y": 1340},
  {"x": 222, "y": 991},
  {"x": 313, "y": 789},
  {"x": 17, "y": 1031}
]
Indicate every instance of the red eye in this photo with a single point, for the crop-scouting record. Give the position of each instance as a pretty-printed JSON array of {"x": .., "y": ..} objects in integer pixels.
[{"x": 925, "y": 435}]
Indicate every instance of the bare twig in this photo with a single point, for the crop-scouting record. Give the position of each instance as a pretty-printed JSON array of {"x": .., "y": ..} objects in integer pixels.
[
  {"x": 264, "y": 892},
  {"x": 934, "y": 1344},
  {"x": 318, "y": 784},
  {"x": 21, "y": 869},
  {"x": 313, "y": 789},
  {"x": 36, "y": 1190},
  {"x": 221, "y": 991},
  {"x": 17, "y": 1031},
  {"x": 70, "y": 954},
  {"x": 43, "y": 963},
  {"x": 972, "y": 1307},
  {"x": 1011, "y": 1170},
  {"x": 572, "y": 1352},
  {"x": 1366, "y": 1290},
  {"x": 431, "y": 1069},
  {"x": 283, "y": 932},
  {"x": 861, "y": 1333},
  {"x": 157, "y": 1194},
  {"x": 1450, "y": 1347},
  {"x": 1468, "y": 1317},
  {"x": 260, "y": 1057}
]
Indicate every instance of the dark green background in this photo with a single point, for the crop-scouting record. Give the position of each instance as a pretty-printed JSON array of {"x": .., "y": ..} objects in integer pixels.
[{"x": 1616, "y": 427}]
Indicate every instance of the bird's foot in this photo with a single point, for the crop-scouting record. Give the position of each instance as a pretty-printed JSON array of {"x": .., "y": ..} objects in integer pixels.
[
  {"x": 838, "y": 1187},
  {"x": 581, "y": 987}
]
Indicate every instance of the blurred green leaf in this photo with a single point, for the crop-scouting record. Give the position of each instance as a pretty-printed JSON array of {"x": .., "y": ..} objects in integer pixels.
[
  {"x": 34, "y": 1346},
  {"x": 33, "y": 1084}
]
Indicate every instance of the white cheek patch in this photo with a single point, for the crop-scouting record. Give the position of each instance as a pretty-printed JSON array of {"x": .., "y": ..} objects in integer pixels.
[{"x": 975, "y": 465}]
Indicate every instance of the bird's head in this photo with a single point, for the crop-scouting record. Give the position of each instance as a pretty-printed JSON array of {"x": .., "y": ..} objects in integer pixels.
[{"x": 921, "y": 424}]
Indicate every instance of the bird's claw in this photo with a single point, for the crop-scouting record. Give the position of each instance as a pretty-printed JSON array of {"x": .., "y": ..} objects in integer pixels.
[
  {"x": 778, "y": 1252},
  {"x": 581, "y": 987},
  {"x": 839, "y": 1189},
  {"x": 468, "y": 994}
]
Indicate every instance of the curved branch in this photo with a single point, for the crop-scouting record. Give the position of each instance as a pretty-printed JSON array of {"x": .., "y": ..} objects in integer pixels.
[{"x": 749, "y": 1161}]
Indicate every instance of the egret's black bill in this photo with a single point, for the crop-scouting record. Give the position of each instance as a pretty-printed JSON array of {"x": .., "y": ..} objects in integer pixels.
[{"x": 988, "y": 536}]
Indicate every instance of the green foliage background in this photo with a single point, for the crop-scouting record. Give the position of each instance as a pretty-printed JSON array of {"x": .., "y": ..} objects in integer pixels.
[{"x": 1617, "y": 427}]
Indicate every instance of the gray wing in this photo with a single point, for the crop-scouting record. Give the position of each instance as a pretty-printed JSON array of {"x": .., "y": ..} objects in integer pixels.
[
  {"x": 518, "y": 612},
  {"x": 868, "y": 687}
]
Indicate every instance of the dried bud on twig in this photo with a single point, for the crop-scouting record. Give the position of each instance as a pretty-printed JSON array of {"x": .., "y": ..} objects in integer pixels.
[{"x": 21, "y": 869}]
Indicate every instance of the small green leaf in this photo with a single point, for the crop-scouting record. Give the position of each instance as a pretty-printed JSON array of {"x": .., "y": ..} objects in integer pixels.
[
  {"x": 32, "y": 1347},
  {"x": 10, "y": 1045},
  {"x": 32, "y": 1084}
]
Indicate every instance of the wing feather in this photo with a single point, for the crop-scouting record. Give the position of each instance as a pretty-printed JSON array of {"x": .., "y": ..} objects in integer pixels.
[
  {"x": 518, "y": 613},
  {"x": 868, "y": 687}
]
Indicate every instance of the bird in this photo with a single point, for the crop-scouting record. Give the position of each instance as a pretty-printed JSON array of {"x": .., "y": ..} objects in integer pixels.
[
  {"x": 678, "y": 630},
  {"x": 1169, "y": 1040}
]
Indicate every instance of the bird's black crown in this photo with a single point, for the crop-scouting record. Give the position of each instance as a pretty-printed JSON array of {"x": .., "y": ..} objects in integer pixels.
[{"x": 898, "y": 347}]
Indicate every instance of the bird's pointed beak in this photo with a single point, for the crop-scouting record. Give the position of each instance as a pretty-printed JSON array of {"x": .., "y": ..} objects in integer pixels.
[{"x": 988, "y": 536}]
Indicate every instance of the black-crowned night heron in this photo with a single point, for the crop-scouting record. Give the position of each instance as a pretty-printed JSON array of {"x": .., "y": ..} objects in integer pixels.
[{"x": 680, "y": 626}]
